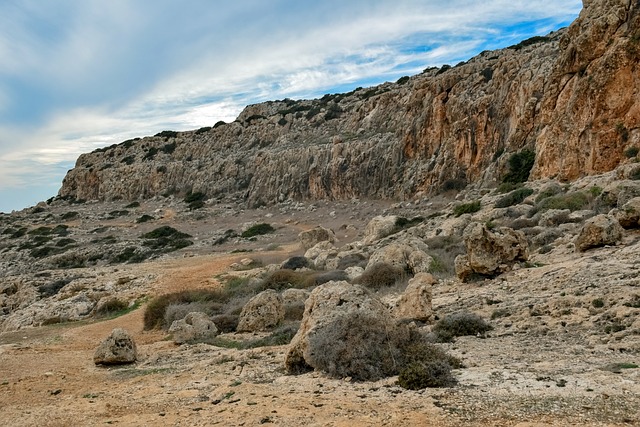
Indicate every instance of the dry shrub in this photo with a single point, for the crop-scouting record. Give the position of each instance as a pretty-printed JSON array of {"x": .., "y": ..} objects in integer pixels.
[
  {"x": 458, "y": 325},
  {"x": 280, "y": 280},
  {"x": 111, "y": 307},
  {"x": 154, "y": 314},
  {"x": 318, "y": 279},
  {"x": 226, "y": 323},
  {"x": 367, "y": 348},
  {"x": 296, "y": 263},
  {"x": 380, "y": 275}
]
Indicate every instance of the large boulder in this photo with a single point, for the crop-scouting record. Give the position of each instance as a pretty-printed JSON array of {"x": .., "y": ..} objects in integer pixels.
[
  {"x": 262, "y": 312},
  {"x": 402, "y": 255},
  {"x": 195, "y": 327},
  {"x": 379, "y": 227},
  {"x": 310, "y": 238},
  {"x": 598, "y": 231},
  {"x": 415, "y": 303},
  {"x": 490, "y": 252},
  {"x": 629, "y": 214},
  {"x": 117, "y": 349},
  {"x": 320, "y": 253},
  {"x": 346, "y": 332}
]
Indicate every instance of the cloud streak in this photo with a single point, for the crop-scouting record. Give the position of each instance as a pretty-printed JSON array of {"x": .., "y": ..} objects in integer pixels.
[{"x": 78, "y": 75}]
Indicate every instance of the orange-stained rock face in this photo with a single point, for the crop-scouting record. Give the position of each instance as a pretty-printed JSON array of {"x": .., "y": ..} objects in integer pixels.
[{"x": 574, "y": 98}]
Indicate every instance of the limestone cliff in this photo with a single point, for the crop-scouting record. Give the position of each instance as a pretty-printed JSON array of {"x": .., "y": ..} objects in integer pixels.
[{"x": 573, "y": 97}]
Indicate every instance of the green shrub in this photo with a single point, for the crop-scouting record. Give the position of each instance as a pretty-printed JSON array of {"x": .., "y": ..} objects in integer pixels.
[
  {"x": 163, "y": 232},
  {"x": 465, "y": 208},
  {"x": 166, "y": 134},
  {"x": 520, "y": 165},
  {"x": 507, "y": 187},
  {"x": 598, "y": 303},
  {"x": 258, "y": 230},
  {"x": 203, "y": 130},
  {"x": 132, "y": 205},
  {"x": 514, "y": 198},
  {"x": 179, "y": 310},
  {"x": 573, "y": 201},
  {"x": 402, "y": 80},
  {"x": 631, "y": 152},
  {"x": 380, "y": 275},
  {"x": 458, "y": 325}
]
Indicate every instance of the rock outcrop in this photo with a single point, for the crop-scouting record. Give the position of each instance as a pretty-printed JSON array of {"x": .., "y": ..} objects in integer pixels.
[
  {"x": 415, "y": 302},
  {"x": 490, "y": 252},
  {"x": 195, "y": 327},
  {"x": 310, "y": 238},
  {"x": 117, "y": 349},
  {"x": 570, "y": 96},
  {"x": 262, "y": 312},
  {"x": 598, "y": 231}
]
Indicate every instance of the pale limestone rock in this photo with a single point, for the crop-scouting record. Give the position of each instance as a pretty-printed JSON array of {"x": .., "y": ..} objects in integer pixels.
[
  {"x": 403, "y": 256},
  {"x": 262, "y": 312},
  {"x": 415, "y": 302},
  {"x": 598, "y": 231},
  {"x": 379, "y": 227},
  {"x": 310, "y": 238},
  {"x": 118, "y": 348},
  {"x": 195, "y": 327},
  {"x": 629, "y": 214},
  {"x": 490, "y": 252}
]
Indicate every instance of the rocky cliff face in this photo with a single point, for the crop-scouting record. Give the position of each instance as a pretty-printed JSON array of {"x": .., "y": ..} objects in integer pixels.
[{"x": 573, "y": 97}]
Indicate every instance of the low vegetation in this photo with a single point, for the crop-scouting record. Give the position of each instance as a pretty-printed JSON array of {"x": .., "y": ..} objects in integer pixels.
[
  {"x": 257, "y": 230},
  {"x": 458, "y": 325},
  {"x": 467, "y": 208}
]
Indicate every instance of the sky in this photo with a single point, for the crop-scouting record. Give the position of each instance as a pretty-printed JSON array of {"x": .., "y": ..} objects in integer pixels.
[{"x": 76, "y": 75}]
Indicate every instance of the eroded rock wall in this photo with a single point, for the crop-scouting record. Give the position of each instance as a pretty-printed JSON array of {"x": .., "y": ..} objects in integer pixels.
[{"x": 572, "y": 96}]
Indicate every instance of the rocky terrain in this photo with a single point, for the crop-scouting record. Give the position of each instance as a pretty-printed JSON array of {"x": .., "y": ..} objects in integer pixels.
[
  {"x": 460, "y": 247},
  {"x": 563, "y": 350}
]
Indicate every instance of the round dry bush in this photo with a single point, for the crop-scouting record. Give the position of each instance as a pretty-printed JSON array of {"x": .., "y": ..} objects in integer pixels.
[
  {"x": 418, "y": 376},
  {"x": 380, "y": 275},
  {"x": 355, "y": 345},
  {"x": 458, "y": 325},
  {"x": 280, "y": 280},
  {"x": 365, "y": 347}
]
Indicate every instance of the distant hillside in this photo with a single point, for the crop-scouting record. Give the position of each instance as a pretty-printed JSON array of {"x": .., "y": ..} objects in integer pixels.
[{"x": 573, "y": 97}]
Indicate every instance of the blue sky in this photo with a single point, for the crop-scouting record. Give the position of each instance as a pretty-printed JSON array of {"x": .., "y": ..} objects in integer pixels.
[{"x": 76, "y": 75}]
